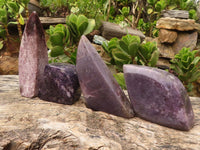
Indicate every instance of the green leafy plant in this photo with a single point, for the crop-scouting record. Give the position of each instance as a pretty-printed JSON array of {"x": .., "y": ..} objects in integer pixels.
[
  {"x": 12, "y": 9},
  {"x": 79, "y": 25},
  {"x": 125, "y": 11},
  {"x": 148, "y": 54},
  {"x": 63, "y": 39},
  {"x": 193, "y": 14},
  {"x": 4, "y": 27},
  {"x": 128, "y": 50},
  {"x": 55, "y": 7},
  {"x": 122, "y": 51},
  {"x": 186, "y": 66},
  {"x": 58, "y": 40}
]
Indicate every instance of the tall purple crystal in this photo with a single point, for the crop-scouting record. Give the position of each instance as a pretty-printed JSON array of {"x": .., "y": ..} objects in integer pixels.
[
  {"x": 100, "y": 89},
  {"x": 159, "y": 97},
  {"x": 61, "y": 84},
  {"x": 32, "y": 57}
]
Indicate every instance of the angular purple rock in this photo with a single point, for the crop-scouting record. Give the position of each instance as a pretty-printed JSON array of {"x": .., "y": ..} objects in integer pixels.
[
  {"x": 100, "y": 89},
  {"x": 61, "y": 84},
  {"x": 32, "y": 57},
  {"x": 159, "y": 97}
]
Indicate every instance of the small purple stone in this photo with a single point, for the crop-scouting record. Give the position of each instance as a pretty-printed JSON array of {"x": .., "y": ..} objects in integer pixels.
[
  {"x": 159, "y": 96},
  {"x": 99, "y": 87},
  {"x": 60, "y": 84}
]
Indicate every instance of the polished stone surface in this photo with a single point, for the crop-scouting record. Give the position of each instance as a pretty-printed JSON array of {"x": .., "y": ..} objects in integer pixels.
[
  {"x": 32, "y": 57},
  {"x": 61, "y": 84},
  {"x": 159, "y": 97},
  {"x": 99, "y": 87}
]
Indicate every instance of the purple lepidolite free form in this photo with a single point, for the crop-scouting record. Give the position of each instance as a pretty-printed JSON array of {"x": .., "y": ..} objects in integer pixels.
[
  {"x": 32, "y": 57},
  {"x": 100, "y": 89},
  {"x": 61, "y": 84},
  {"x": 159, "y": 97}
]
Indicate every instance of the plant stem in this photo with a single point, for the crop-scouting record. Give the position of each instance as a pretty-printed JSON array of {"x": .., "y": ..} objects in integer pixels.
[
  {"x": 108, "y": 12},
  {"x": 133, "y": 11},
  {"x": 7, "y": 35},
  {"x": 145, "y": 61},
  {"x": 27, "y": 12},
  {"x": 138, "y": 16},
  {"x": 19, "y": 28}
]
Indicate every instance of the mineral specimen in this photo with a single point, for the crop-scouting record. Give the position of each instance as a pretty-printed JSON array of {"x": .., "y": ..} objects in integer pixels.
[
  {"x": 61, "y": 84},
  {"x": 159, "y": 97},
  {"x": 100, "y": 89},
  {"x": 32, "y": 57}
]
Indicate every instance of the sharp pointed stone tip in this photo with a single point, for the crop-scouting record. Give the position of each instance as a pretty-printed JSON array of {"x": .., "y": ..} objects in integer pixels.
[
  {"x": 83, "y": 37},
  {"x": 32, "y": 22}
]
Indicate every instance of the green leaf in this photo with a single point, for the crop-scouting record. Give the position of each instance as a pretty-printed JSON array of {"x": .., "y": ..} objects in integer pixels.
[
  {"x": 82, "y": 27},
  {"x": 73, "y": 29},
  {"x": 125, "y": 11},
  {"x": 25, "y": 2},
  {"x": 195, "y": 76},
  {"x": 2, "y": 32},
  {"x": 149, "y": 11},
  {"x": 90, "y": 27},
  {"x": 113, "y": 43},
  {"x": 196, "y": 60},
  {"x": 105, "y": 47},
  {"x": 72, "y": 18},
  {"x": 3, "y": 16},
  {"x": 60, "y": 28},
  {"x": 49, "y": 44},
  {"x": 81, "y": 19},
  {"x": 21, "y": 9},
  {"x": 67, "y": 33},
  {"x": 123, "y": 46},
  {"x": 120, "y": 80},
  {"x": 154, "y": 59},
  {"x": 82, "y": 23},
  {"x": 21, "y": 20},
  {"x": 57, "y": 39},
  {"x": 13, "y": 6},
  {"x": 120, "y": 57},
  {"x": 132, "y": 49},
  {"x": 56, "y": 51},
  {"x": 1, "y": 45},
  {"x": 13, "y": 22}
]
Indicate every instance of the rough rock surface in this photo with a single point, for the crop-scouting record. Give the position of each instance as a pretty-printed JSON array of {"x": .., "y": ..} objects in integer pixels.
[
  {"x": 32, "y": 57},
  {"x": 61, "y": 84},
  {"x": 159, "y": 97},
  {"x": 177, "y": 24},
  {"x": 165, "y": 49},
  {"x": 163, "y": 63},
  {"x": 167, "y": 36},
  {"x": 34, "y": 123},
  {"x": 99, "y": 87},
  {"x": 110, "y": 30},
  {"x": 8, "y": 65},
  {"x": 185, "y": 39},
  {"x": 182, "y": 14}
]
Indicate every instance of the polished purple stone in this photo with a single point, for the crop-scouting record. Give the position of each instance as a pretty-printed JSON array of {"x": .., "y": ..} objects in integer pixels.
[
  {"x": 32, "y": 57},
  {"x": 159, "y": 97},
  {"x": 100, "y": 89},
  {"x": 61, "y": 84}
]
